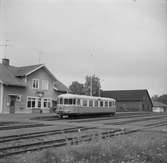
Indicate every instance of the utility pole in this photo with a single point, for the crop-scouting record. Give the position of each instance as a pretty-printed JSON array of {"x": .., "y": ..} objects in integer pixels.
[
  {"x": 99, "y": 88},
  {"x": 91, "y": 85},
  {"x": 5, "y": 44},
  {"x": 91, "y": 82}
]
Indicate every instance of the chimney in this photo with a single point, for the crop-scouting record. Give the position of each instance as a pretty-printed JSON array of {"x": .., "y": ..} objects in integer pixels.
[{"x": 5, "y": 61}]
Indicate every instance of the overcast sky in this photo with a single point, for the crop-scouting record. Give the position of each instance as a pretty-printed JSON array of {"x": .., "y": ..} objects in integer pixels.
[{"x": 123, "y": 42}]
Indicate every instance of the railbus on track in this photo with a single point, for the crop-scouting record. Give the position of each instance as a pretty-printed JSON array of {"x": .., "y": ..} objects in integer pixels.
[{"x": 73, "y": 105}]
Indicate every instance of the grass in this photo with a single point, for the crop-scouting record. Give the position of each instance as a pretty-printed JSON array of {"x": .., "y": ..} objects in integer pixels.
[{"x": 146, "y": 147}]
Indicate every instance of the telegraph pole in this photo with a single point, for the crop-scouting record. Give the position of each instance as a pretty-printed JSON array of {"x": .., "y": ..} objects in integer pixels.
[
  {"x": 91, "y": 82},
  {"x": 5, "y": 44},
  {"x": 91, "y": 85}
]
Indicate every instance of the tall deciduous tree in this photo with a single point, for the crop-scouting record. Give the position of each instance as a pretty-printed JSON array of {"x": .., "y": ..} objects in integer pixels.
[
  {"x": 154, "y": 97},
  {"x": 92, "y": 83},
  {"x": 77, "y": 88},
  {"x": 162, "y": 98}
]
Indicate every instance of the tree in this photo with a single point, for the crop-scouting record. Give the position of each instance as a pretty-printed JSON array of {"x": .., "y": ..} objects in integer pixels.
[
  {"x": 163, "y": 99},
  {"x": 94, "y": 82},
  {"x": 154, "y": 98},
  {"x": 77, "y": 88}
]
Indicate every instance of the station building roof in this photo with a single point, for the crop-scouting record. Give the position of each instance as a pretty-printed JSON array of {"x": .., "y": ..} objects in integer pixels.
[{"x": 14, "y": 76}]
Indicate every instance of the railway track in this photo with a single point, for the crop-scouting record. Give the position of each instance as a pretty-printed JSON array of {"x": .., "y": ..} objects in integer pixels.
[
  {"x": 81, "y": 137},
  {"x": 135, "y": 120},
  {"x": 43, "y": 133},
  {"x": 157, "y": 124},
  {"x": 115, "y": 117},
  {"x": 19, "y": 126},
  {"x": 4, "y": 123},
  {"x": 19, "y": 149}
]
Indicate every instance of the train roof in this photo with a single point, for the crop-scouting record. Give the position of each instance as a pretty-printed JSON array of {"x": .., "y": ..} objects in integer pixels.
[{"x": 67, "y": 95}]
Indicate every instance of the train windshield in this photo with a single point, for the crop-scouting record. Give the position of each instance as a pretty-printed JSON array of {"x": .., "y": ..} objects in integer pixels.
[{"x": 70, "y": 101}]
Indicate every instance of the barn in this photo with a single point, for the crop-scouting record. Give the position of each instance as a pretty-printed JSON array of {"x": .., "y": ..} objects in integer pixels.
[{"x": 130, "y": 100}]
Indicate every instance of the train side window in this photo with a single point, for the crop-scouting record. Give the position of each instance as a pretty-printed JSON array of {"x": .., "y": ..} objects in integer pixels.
[
  {"x": 110, "y": 103},
  {"x": 96, "y": 103},
  {"x": 106, "y": 103},
  {"x": 84, "y": 103},
  {"x": 78, "y": 102},
  {"x": 101, "y": 103},
  {"x": 74, "y": 101},
  {"x": 90, "y": 103},
  {"x": 70, "y": 101}
]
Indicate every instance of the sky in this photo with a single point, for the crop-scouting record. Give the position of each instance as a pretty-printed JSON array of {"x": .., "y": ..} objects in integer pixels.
[{"x": 123, "y": 42}]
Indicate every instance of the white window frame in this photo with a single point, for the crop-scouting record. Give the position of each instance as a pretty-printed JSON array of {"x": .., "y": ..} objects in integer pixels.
[
  {"x": 33, "y": 83},
  {"x": 47, "y": 84},
  {"x": 49, "y": 100},
  {"x": 31, "y": 101}
]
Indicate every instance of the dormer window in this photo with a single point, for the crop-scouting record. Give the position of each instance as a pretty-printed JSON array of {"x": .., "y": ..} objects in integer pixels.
[{"x": 35, "y": 84}]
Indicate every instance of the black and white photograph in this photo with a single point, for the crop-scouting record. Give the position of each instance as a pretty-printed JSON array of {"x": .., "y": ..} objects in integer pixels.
[{"x": 83, "y": 81}]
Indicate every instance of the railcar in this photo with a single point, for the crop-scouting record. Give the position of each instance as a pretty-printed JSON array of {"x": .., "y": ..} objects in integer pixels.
[{"x": 72, "y": 105}]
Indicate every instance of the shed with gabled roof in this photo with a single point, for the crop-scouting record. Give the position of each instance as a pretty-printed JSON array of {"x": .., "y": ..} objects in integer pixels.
[{"x": 130, "y": 100}]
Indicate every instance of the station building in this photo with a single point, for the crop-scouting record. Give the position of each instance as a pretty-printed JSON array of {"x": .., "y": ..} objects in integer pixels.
[
  {"x": 28, "y": 89},
  {"x": 130, "y": 100}
]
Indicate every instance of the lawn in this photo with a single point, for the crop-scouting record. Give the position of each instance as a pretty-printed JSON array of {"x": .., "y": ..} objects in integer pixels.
[{"x": 145, "y": 147}]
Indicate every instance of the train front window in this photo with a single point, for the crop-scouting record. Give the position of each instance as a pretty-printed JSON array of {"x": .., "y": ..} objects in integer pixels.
[
  {"x": 70, "y": 101},
  {"x": 66, "y": 101}
]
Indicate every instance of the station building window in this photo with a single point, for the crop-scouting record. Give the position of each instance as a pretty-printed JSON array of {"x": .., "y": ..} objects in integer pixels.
[
  {"x": 45, "y": 84},
  {"x": 35, "y": 83},
  {"x": 30, "y": 102},
  {"x": 47, "y": 103}
]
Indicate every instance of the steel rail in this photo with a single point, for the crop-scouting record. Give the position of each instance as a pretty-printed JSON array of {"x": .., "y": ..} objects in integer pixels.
[{"x": 41, "y": 134}]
